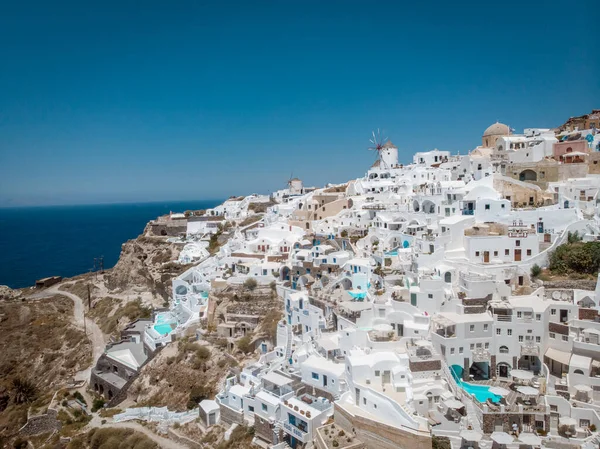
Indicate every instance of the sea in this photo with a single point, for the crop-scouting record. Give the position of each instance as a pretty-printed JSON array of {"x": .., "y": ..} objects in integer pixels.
[{"x": 37, "y": 242}]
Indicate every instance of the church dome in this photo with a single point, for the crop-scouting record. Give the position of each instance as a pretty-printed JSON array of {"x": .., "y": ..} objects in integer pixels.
[{"x": 497, "y": 129}]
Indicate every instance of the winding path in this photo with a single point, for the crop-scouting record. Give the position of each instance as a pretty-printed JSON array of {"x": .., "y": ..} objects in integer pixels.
[
  {"x": 92, "y": 330},
  {"x": 163, "y": 442}
]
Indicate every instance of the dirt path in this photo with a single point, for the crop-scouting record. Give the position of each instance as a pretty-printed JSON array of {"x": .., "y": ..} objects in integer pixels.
[
  {"x": 163, "y": 442},
  {"x": 92, "y": 330}
]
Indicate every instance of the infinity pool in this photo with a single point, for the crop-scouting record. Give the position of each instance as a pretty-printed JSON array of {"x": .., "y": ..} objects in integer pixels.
[
  {"x": 163, "y": 329},
  {"x": 481, "y": 392}
]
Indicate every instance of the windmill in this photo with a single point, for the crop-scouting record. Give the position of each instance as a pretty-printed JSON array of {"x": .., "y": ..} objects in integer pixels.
[
  {"x": 289, "y": 183},
  {"x": 377, "y": 144}
]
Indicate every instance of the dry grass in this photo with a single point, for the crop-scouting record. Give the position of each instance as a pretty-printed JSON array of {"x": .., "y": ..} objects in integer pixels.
[
  {"x": 111, "y": 438},
  {"x": 38, "y": 344},
  {"x": 112, "y": 315},
  {"x": 79, "y": 288}
]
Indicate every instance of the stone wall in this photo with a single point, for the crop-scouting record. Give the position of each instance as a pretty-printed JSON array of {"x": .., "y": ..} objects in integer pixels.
[
  {"x": 263, "y": 429},
  {"x": 490, "y": 419},
  {"x": 588, "y": 314},
  {"x": 425, "y": 365},
  {"x": 558, "y": 328},
  {"x": 230, "y": 416},
  {"x": 170, "y": 229},
  {"x": 380, "y": 435},
  {"x": 36, "y": 425}
]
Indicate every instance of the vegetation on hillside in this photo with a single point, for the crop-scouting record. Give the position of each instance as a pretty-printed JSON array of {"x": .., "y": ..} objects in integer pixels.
[
  {"x": 576, "y": 257},
  {"x": 111, "y": 438},
  {"x": 41, "y": 350}
]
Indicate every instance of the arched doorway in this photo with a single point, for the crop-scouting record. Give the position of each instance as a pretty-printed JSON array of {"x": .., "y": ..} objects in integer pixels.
[
  {"x": 448, "y": 277},
  {"x": 528, "y": 175}
]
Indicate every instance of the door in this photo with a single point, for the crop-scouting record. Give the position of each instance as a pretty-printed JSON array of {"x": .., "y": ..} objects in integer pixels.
[
  {"x": 564, "y": 315},
  {"x": 486, "y": 257},
  {"x": 324, "y": 380},
  {"x": 400, "y": 328},
  {"x": 212, "y": 419},
  {"x": 386, "y": 377},
  {"x": 356, "y": 396},
  {"x": 517, "y": 255}
]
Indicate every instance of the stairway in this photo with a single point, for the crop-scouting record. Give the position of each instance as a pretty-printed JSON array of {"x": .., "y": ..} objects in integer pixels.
[
  {"x": 472, "y": 416},
  {"x": 288, "y": 344}
]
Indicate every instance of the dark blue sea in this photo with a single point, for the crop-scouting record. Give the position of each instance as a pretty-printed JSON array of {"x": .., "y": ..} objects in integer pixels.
[{"x": 36, "y": 242}]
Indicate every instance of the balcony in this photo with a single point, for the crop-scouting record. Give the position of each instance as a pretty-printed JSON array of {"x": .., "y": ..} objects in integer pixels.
[
  {"x": 530, "y": 349},
  {"x": 481, "y": 355},
  {"x": 468, "y": 212},
  {"x": 295, "y": 432}
]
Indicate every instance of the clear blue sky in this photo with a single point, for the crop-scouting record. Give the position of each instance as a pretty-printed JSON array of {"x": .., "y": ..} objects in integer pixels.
[{"x": 140, "y": 101}]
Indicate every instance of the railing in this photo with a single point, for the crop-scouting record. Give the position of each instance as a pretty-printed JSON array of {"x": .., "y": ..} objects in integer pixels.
[
  {"x": 293, "y": 430},
  {"x": 481, "y": 355}
]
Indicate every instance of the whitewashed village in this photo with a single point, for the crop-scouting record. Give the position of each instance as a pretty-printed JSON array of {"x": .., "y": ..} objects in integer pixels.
[{"x": 414, "y": 304}]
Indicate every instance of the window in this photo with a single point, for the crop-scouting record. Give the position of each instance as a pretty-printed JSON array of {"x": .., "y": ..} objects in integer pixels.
[
  {"x": 509, "y": 331},
  {"x": 263, "y": 407},
  {"x": 250, "y": 408},
  {"x": 495, "y": 253},
  {"x": 365, "y": 401},
  {"x": 430, "y": 295},
  {"x": 377, "y": 373},
  {"x": 498, "y": 331},
  {"x": 529, "y": 252},
  {"x": 487, "y": 346},
  {"x": 460, "y": 350},
  {"x": 538, "y": 316},
  {"x": 507, "y": 252},
  {"x": 472, "y": 328},
  {"x": 315, "y": 376},
  {"x": 519, "y": 314},
  {"x": 520, "y": 339},
  {"x": 517, "y": 242},
  {"x": 485, "y": 327},
  {"x": 552, "y": 335},
  {"x": 503, "y": 349},
  {"x": 565, "y": 338},
  {"x": 552, "y": 311},
  {"x": 476, "y": 253},
  {"x": 538, "y": 339},
  {"x": 502, "y": 206},
  {"x": 472, "y": 346},
  {"x": 487, "y": 207},
  {"x": 451, "y": 350}
]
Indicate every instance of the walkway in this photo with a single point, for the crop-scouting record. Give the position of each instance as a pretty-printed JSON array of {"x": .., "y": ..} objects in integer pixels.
[
  {"x": 93, "y": 332},
  {"x": 163, "y": 442}
]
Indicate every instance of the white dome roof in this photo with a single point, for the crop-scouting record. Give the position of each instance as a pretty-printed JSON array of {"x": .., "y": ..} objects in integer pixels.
[{"x": 497, "y": 129}]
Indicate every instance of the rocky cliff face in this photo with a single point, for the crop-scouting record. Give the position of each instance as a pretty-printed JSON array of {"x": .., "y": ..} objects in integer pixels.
[{"x": 145, "y": 263}]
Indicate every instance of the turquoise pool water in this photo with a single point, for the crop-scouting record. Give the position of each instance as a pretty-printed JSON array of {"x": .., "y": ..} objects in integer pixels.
[
  {"x": 164, "y": 318},
  {"x": 163, "y": 329},
  {"x": 481, "y": 392},
  {"x": 358, "y": 295},
  {"x": 392, "y": 253}
]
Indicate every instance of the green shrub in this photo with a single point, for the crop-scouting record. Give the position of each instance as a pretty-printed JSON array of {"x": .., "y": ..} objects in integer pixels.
[
  {"x": 250, "y": 284},
  {"x": 97, "y": 404},
  {"x": 578, "y": 257},
  {"x": 535, "y": 270},
  {"x": 245, "y": 344}
]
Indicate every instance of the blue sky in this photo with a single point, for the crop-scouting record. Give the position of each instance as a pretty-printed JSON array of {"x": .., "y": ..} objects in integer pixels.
[{"x": 141, "y": 101}]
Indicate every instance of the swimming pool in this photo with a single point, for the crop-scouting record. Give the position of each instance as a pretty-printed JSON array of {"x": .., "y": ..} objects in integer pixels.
[
  {"x": 481, "y": 392},
  {"x": 163, "y": 329},
  {"x": 392, "y": 253}
]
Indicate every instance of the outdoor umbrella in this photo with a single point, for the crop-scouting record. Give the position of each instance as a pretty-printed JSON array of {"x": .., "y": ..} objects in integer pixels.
[
  {"x": 499, "y": 391},
  {"x": 527, "y": 390},
  {"x": 501, "y": 437}
]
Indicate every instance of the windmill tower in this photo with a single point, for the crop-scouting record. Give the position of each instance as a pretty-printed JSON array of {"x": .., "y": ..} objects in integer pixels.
[
  {"x": 295, "y": 185},
  {"x": 387, "y": 153}
]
